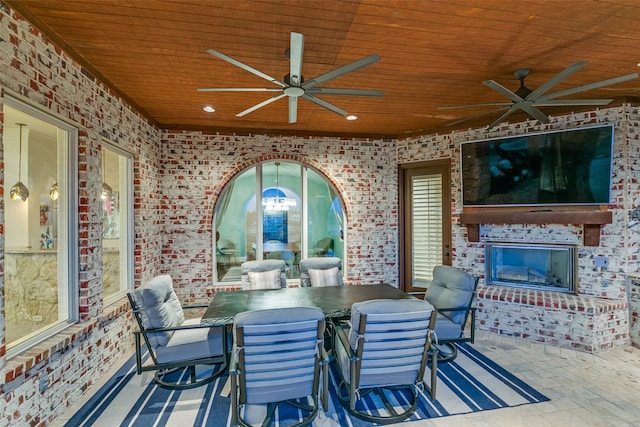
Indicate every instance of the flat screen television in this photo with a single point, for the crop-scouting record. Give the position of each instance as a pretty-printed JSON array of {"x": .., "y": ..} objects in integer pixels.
[{"x": 568, "y": 167}]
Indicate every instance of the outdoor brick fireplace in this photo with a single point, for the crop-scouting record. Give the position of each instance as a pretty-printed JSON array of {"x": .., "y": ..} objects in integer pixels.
[
  {"x": 533, "y": 266},
  {"x": 544, "y": 304},
  {"x": 532, "y": 292}
]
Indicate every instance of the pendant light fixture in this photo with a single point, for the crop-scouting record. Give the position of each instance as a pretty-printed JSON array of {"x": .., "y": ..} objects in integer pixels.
[
  {"x": 19, "y": 191},
  {"x": 107, "y": 191},
  {"x": 278, "y": 202},
  {"x": 54, "y": 194}
]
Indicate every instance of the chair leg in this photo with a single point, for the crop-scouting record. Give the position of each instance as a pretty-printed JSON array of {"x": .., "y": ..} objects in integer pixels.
[
  {"x": 234, "y": 399},
  {"x": 434, "y": 373},
  {"x": 325, "y": 387},
  {"x": 449, "y": 352},
  {"x": 192, "y": 373}
]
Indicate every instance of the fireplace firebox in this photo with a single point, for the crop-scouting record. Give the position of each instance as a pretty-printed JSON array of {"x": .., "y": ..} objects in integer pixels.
[{"x": 551, "y": 267}]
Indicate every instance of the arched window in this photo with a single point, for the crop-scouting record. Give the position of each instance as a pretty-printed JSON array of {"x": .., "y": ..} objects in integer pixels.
[{"x": 277, "y": 209}]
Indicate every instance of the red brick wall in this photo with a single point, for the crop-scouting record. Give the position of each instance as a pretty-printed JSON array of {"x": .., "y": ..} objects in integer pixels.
[
  {"x": 618, "y": 243},
  {"x": 196, "y": 166},
  {"x": 173, "y": 232},
  {"x": 41, "y": 383}
]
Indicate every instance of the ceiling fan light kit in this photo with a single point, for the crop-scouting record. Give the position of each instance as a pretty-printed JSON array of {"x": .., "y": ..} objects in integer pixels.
[
  {"x": 293, "y": 85},
  {"x": 530, "y": 101}
]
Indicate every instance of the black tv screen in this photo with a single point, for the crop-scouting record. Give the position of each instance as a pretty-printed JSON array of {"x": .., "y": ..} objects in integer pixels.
[{"x": 568, "y": 167}]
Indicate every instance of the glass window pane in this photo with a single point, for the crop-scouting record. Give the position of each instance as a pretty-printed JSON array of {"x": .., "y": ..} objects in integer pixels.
[
  {"x": 282, "y": 214},
  {"x": 426, "y": 193},
  {"x": 116, "y": 221},
  {"x": 270, "y": 223},
  {"x": 325, "y": 226},
  {"x": 236, "y": 226},
  {"x": 38, "y": 283}
]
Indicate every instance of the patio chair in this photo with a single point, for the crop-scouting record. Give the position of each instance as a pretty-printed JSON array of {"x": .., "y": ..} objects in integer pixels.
[
  {"x": 277, "y": 359},
  {"x": 322, "y": 247},
  {"x": 172, "y": 341},
  {"x": 227, "y": 251},
  {"x": 321, "y": 271},
  {"x": 263, "y": 274},
  {"x": 452, "y": 292},
  {"x": 385, "y": 349},
  {"x": 286, "y": 256}
]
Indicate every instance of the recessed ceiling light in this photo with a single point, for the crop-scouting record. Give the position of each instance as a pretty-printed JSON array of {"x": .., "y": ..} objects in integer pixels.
[
  {"x": 209, "y": 109},
  {"x": 352, "y": 117}
]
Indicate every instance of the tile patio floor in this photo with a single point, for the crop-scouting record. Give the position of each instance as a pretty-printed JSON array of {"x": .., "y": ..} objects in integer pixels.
[{"x": 585, "y": 389}]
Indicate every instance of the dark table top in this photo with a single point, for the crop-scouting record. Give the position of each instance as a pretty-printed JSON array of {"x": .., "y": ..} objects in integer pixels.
[{"x": 334, "y": 301}]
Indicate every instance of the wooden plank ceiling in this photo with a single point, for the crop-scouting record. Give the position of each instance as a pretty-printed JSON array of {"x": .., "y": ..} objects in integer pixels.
[{"x": 434, "y": 53}]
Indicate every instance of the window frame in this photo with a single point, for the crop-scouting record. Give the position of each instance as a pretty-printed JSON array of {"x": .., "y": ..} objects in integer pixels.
[
  {"x": 128, "y": 228},
  {"x": 71, "y": 195},
  {"x": 304, "y": 176}
]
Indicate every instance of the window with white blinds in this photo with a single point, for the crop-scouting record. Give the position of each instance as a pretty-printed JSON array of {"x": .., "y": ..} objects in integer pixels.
[{"x": 426, "y": 216}]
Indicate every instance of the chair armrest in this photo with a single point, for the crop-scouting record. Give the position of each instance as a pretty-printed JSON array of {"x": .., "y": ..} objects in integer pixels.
[
  {"x": 177, "y": 328},
  {"x": 470, "y": 309},
  {"x": 184, "y": 307},
  {"x": 415, "y": 294}
]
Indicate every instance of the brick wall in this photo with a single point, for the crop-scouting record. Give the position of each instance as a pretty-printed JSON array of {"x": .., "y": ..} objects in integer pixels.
[
  {"x": 178, "y": 178},
  {"x": 41, "y": 383},
  {"x": 589, "y": 331},
  {"x": 197, "y": 166}
]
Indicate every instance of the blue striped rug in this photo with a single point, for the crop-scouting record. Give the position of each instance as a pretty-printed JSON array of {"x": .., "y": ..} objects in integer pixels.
[{"x": 470, "y": 383}]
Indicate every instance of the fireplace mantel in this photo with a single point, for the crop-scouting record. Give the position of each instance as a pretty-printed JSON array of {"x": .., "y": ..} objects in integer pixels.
[{"x": 590, "y": 220}]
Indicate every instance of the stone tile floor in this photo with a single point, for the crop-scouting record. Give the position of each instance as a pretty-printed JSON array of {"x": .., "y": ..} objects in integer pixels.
[{"x": 585, "y": 389}]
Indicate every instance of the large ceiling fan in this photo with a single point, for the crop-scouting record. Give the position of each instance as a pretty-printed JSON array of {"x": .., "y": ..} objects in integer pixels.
[
  {"x": 530, "y": 100},
  {"x": 293, "y": 84}
]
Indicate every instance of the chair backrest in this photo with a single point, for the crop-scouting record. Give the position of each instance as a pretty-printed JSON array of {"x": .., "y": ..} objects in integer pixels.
[
  {"x": 452, "y": 288},
  {"x": 325, "y": 271},
  {"x": 391, "y": 338},
  {"x": 323, "y": 246},
  {"x": 278, "y": 352},
  {"x": 286, "y": 256},
  {"x": 263, "y": 274},
  {"x": 156, "y": 305},
  {"x": 226, "y": 244}
]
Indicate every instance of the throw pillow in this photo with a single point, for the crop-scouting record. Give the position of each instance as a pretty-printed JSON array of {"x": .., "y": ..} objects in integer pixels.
[
  {"x": 328, "y": 277},
  {"x": 264, "y": 279}
]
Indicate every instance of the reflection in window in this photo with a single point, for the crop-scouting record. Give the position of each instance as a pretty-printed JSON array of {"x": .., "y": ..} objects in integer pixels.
[
  {"x": 40, "y": 225},
  {"x": 277, "y": 210},
  {"x": 117, "y": 176}
]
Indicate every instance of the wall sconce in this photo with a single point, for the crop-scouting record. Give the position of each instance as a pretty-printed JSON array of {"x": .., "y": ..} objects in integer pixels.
[
  {"x": 53, "y": 192},
  {"x": 19, "y": 191}
]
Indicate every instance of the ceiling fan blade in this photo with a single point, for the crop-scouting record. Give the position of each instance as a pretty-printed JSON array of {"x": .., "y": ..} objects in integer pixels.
[
  {"x": 293, "y": 109},
  {"x": 356, "y": 92},
  {"x": 356, "y": 65},
  {"x": 295, "y": 59},
  {"x": 245, "y": 67},
  {"x": 569, "y": 102},
  {"x": 493, "y": 104},
  {"x": 556, "y": 79},
  {"x": 534, "y": 112},
  {"x": 475, "y": 116},
  {"x": 262, "y": 104},
  {"x": 239, "y": 89},
  {"x": 325, "y": 104},
  {"x": 503, "y": 90},
  {"x": 503, "y": 117},
  {"x": 589, "y": 86}
]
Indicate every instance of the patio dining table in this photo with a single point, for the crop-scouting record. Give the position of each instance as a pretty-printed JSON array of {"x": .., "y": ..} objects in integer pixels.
[{"x": 334, "y": 301}]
